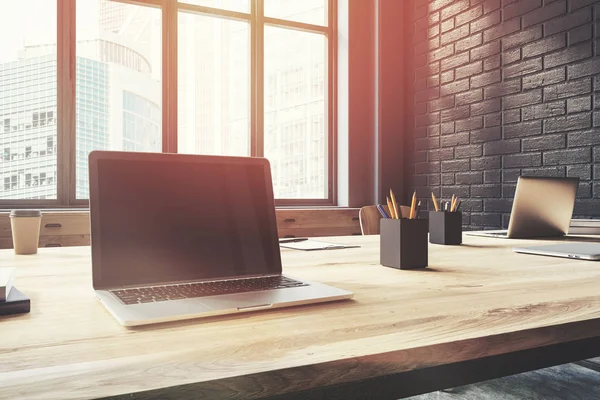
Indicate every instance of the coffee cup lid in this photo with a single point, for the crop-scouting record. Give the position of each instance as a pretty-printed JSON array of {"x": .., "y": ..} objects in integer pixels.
[{"x": 25, "y": 213}]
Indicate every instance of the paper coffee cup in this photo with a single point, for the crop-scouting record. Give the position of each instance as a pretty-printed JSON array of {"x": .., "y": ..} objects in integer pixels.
[{"x": 25, "y": 226}]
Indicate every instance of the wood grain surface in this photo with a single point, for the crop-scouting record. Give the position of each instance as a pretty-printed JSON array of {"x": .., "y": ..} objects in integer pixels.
[{"x": 473, "y": 301}]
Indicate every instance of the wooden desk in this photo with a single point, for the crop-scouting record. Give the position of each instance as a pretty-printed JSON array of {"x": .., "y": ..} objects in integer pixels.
[{"x": 478, "y": 312}]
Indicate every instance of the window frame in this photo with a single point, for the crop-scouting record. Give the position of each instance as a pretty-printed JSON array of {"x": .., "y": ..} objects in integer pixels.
[{"x": 66, "y": 91}]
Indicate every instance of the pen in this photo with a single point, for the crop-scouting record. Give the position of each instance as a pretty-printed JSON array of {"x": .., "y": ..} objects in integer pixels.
[
  {"x": 292, "y": 240},
  {"x": 418, "y": 209},
  {"x": 382, "y": 211}
]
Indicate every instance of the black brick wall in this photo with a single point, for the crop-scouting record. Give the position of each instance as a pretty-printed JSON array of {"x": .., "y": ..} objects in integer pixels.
[{"x": 505, "y": 88}]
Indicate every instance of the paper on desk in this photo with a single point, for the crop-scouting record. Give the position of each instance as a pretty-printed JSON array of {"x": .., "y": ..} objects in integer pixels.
[{"x": 315, "y": 245}]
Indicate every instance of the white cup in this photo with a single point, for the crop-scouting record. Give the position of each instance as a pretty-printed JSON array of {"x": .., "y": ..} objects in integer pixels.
[{"x": 25, "y": 226}]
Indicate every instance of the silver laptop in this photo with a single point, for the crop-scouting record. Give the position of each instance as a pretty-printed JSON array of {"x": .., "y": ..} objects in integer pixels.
[
  {"x": 179, "y": 236},
  {"x": 579, "y": 251},
  {"x": 541, "y": 207}
]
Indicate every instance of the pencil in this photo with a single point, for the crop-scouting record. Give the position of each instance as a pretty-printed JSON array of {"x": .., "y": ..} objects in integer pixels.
[
  {"x": 390, "y": 208},
  {"x": 394, "y": 204},
  {"x": 435, "y": 204},
  {"x": 413, "y": 205}
]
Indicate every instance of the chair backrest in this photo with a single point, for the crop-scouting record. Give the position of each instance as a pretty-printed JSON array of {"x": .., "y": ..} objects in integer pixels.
[{"x": 369, "y": 217}]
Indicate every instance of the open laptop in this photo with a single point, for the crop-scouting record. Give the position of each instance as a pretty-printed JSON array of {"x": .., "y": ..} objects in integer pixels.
[
  {"x": 542, "y": 207},
  {"x": 179, "y": 236}
]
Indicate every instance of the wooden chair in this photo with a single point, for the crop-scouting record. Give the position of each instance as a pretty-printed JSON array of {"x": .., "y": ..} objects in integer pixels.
[{"x": 369, "y": 217}]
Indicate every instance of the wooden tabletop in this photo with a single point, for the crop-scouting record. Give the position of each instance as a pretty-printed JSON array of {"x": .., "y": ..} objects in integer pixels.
[{"x": 475, "y": 300}]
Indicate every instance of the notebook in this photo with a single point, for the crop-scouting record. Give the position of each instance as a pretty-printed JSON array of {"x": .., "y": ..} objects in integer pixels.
[
  {"x": 178, "y": 236},
  {"x": 310, "y": 244}
]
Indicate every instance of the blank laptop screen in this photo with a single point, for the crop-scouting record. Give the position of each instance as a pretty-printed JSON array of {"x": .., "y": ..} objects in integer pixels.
[{"x": 171, "y": 221}]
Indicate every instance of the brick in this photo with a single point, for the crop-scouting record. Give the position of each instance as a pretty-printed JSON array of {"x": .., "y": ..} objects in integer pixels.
[
  {"x": 497, "y": 205},
  {"x": 486, "y": 21},
  {"x": 433, "y": 31},
  {"x": 426, "y": 144},
  {"x": 487, "y": 134},
  {"x": 471, "y": 205},
  {"x": 511, "y": 116},
  {"x": 568, "y": 89},
  {"x": 505, "y": 146},
  {"x": 435, "y": 5},
  {"x": 469, "y": 15},
  {"x": 522, "y": 160},
  {"x": 420, "y": 156},
  {"x": 597, "y": 157},
  {"x": 455, "y": 61},
  {"x": 568, "y": 22},
  {"x": 469, "y": 178},
  {"x": 455, "y": 113},
  {"x": 544, "y": 110},
  {"x": 506, "y": 28},
  {"x": 511, "y": 56},
  {"x": 520, "y": 38},
  {"x": 502, "y": 89},
  {"x": 427, "y": 167},
  {"x": 584, "y": 138},
  {"x": 486, "y": 163},
  {"x": 567, "y": 123},
  {"x": 434, "y": 179},
  {"x": 584, "y": 190},
  {"x": 419, "y": 180},
  {"x": 522, "y": 99},
  {"x": 433, "y": 81},
  {"x": 440, "y": 53},
  {"x": 585, "y": 68},
  {"x": 510, "y": 175},
  {"x": 427, "y": 94},
  {"x": 447, "y": 128},
  {"x": 447, "y": 76},
  {"x": 469, "y": 124},
  {"x": 586, "y": 207},
  {"x": 579, "y": 104},
  {"x": 441, "y": 154},
  {"x": 486, "y": 107},
  {"x": 420, "y": 132},
  {"x": 596, "y": 118},
  {"x": 447, "y": 179},
  {"x": 468, "y": 42},
  {"x": 493, "y": 190},
  {"x": 427, "y": 70},
  {"x": 492, "y": 62},
  {"x": 545, "y": 45},
  {"x": 433, "y": 130},
  {"x": 447, "y": 25},
  {"x": 575, "y": 4},
  {"x": 520, "y": 7},
  {"x": 469, "y": 70},
  {"x": 428, "y": 45},
  {"x": 558, "y": 172},
  {"x": 485, "y": 79},
  {"x": 441, "y": 103},
  {"x": 545, "y": 142},
  {"x": 428, "y": 119},
  {"x": 492, "y": 176},
  {"x": 523, "y": 68},
  {"x": 568, "y": 157},
  {"x": 494, "y": 119},
  {"x": 461, "y": 191},
  {"x": 453, "y": 9},
  {"x": 523, "y": 129},
  {"x": 583, "y": 172},
  {"x": 420, "y": 84},
  {"x": 580, "y": 34},
  {"x": 420, "y": 108},
  {"x": 455, "y": 165},
  {"x": 455, "y": 139},
  {"x": 490, "y": 5},
  {"x": 545, "y": 13},
  {"x": 569, "y": 55},
  {"x": 473, "y": 150},
  {"x": 469, "y": 97},
  {"x": 544, "y": 78},
  {"x": 487, "y": 220},
  {"x": 487, "y": 50},
  {"x": 454, "y": 35}
]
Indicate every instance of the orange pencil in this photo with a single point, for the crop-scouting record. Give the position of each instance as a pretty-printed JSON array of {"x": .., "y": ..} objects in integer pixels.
[
  {"x": 413, "y": 206},
  {"x": 394, "y": 204},
  {"x": 389, "y": 204},
  {"x": 435, "y": 204}
]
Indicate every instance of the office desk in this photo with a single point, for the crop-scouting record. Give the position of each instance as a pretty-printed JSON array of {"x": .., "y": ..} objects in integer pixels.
[{"x": 479, "y": 311}]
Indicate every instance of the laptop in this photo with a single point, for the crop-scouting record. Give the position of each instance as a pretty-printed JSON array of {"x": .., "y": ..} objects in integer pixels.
[
  {"x": 579, "y": 251},
  {"x": 178, "y": 236},
  {"x": 542, "y": 207}
]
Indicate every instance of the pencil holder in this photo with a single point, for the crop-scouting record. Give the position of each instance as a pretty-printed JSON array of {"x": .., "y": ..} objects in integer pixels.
[
  {"x": 445, "y": 227},
  {"x": 403, "y": 243}
]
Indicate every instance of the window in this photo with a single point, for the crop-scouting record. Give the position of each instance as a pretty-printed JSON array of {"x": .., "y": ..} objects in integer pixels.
[{"x": 252, "y": 78}]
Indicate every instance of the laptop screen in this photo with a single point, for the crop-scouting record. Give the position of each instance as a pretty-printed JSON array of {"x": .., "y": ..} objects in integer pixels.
[{"x": 173, "y": 218}]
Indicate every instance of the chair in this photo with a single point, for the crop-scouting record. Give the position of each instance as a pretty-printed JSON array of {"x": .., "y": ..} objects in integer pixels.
[{"x": 369, "y": 217}]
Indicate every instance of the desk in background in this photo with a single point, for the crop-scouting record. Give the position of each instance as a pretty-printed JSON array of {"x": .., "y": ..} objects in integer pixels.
[{"x": 479, "y": 311}]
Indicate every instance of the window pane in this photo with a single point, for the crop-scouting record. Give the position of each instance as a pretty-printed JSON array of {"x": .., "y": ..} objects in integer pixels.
[
  {"x": 213, "y": 86},
  {"x": 231, "y": 5},
  {"x": 118, "y": 81},
  {"x": 296, "y": 112},
  {"x": 307, "y": 11},
  {"x": 28, "y": 100}
]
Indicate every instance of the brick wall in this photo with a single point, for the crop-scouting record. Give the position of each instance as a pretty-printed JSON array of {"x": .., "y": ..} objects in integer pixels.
[{"x": 504, "y": 88}]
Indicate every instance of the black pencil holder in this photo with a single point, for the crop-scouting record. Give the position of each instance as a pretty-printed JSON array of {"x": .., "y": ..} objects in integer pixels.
[
  {"x": 445, "y": 227},
  {"x": 403, "y": 243}
]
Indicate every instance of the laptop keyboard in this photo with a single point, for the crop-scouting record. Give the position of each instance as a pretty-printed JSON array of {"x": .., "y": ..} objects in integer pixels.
[{"x": 203, "y": 289}]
